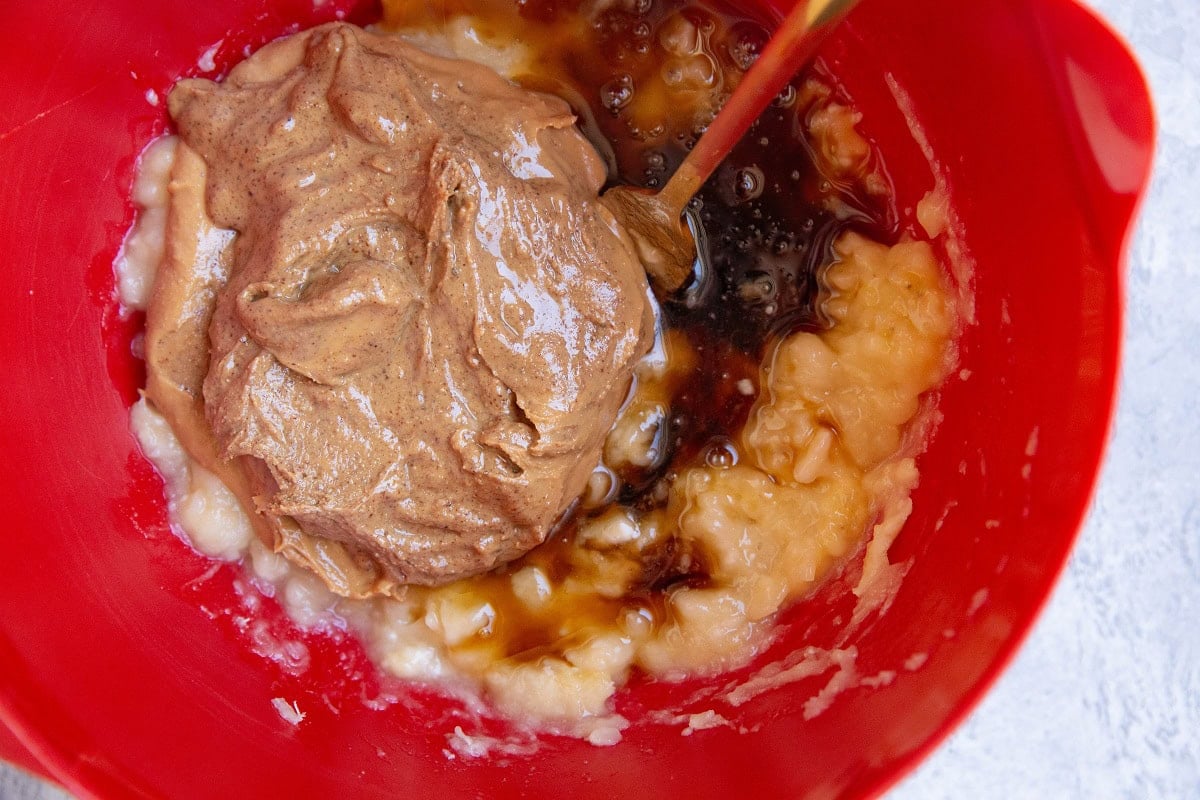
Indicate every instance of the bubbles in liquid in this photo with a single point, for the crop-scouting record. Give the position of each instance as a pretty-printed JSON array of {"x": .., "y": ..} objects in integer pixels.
[
  {"x": 748, "y": 183},
  {"x": 656, "y": 168},
  {"x": 721, "y": 454},
  {"x": 640, "y": 134},
  {"x": 745, "y": 44},
  {"x": 617, "y": 93}
]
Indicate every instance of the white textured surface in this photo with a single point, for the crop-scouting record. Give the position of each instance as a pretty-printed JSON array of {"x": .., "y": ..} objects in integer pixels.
[
  {"x": 1104, "y": 699},
  {"x": 18, "y": 785}
]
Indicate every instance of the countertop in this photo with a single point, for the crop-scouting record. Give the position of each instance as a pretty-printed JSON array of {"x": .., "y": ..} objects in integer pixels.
[{"x": 1103, "y": 700}]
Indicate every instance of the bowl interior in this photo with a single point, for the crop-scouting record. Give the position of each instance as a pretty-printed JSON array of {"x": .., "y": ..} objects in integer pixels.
[{"x": 122, "y": 653}]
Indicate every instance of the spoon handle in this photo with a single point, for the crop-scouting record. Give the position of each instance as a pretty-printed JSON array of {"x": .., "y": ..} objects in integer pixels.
[{"x": 789, "y": 49}]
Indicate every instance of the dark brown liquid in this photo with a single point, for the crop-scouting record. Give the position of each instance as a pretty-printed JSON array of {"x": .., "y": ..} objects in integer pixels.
[{"x": 769, "y": 221}]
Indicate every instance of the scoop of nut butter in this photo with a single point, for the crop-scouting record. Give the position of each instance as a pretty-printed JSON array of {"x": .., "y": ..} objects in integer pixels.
[{"x": 393, "y": 315}]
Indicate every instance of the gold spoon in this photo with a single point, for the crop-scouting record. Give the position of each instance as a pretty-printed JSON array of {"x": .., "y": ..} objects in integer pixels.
[{"x": 654, "y": 220}]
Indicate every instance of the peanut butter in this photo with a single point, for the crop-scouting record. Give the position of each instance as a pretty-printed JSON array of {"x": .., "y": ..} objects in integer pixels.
[{"x": 392, "y": 314}]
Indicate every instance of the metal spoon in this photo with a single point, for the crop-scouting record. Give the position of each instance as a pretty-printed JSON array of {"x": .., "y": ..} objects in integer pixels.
[{"x": 655, "y": 219}]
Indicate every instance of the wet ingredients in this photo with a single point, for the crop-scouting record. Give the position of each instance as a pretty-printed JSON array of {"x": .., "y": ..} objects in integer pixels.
[{"x": 762, "y": 440}]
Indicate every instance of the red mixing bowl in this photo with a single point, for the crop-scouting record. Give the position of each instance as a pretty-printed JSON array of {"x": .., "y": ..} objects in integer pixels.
[{"x": 124, "y": 667}]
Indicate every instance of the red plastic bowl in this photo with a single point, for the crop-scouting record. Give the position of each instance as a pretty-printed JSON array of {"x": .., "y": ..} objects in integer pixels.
[{"x": 122, "y": 666}]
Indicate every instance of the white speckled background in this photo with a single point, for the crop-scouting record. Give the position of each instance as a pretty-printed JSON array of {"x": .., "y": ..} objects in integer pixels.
[{"x": 1104, "y": 699}]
